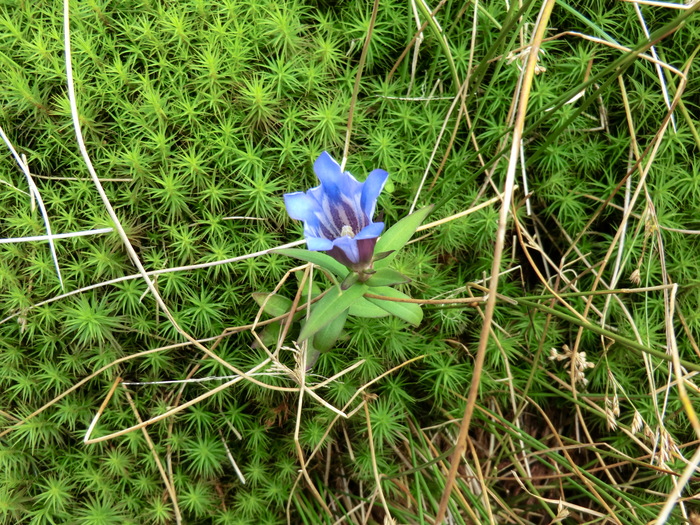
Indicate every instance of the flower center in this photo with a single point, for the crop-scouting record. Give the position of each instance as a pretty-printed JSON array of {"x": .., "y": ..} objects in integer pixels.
[{"x": 347, "y": 230}]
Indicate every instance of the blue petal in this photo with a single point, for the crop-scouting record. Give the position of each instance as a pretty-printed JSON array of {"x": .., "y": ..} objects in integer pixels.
[
  {"x": 334, "y": 182},
  {"x": 300, "y": 206},
  {"x": 370, "y": 191},
  {"x": 349, "y": 247},
  {"x": 371, "y": 231},
  {"x": 317, "y": 244},
  {"x": 328, "y": 172}
]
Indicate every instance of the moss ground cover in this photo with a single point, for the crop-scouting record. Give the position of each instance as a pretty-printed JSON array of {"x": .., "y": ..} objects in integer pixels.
[{"x": 199, "y": 116}]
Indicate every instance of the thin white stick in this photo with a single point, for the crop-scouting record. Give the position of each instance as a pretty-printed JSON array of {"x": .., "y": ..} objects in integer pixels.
[
  {"x": 670, "y": 5},
  {"x": 240, "y": 475},
  {"x": 158, "y": 272},
  {"x": 523, "y": 173},
  {"x": 14, "y": 187},
  {"x": 456, "y": 99},
  {"x": 56, "y": 236},
  {"x": 675, "y": 494},
  {"x": 195, "y": 379},
  {"x": 676, "y": 369},
  {"x": 170, "y": 412},
  {"x": 22, "y": 161},
  {"x": 652, "y": 49},
  {"x": 414, "y": 99},
  {"x": 419, "y": 41}
]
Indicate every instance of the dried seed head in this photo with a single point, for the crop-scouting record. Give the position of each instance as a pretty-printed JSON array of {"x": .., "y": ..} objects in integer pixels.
[
  {"x": 649, "y": 434},
  {"x": 555, "y": 355},
  {"x": 635, "y": 277},
  {"x": 637, "y": 422},
  {"x": 665, "y": 446},
  {"x": 580, "y": 364},
  {"x": 612, "y": 411},
  {"x": 610, "y": 419},
  {"x": 562, "y": 513}
]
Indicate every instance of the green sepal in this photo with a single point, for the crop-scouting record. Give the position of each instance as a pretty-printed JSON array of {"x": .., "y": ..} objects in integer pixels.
[
  {"x": 398, "y": 235},
  {"x": 326, "y": 337},
  {"x": 331, "y": 305},
  {"x": 387, "y": 277},
  {"x": 363, "y": 308},
  {"x": 275, "y": 306},
  {"x": 409, "y": 312},
  {"x": 351, "y": 279},
  {"x": 318, "y": 258},
  {"x": 382, "y": 255}
]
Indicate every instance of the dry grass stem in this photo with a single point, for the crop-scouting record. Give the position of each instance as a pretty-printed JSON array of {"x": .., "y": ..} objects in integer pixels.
[
  {"x": 168, "y": 481},
  {"x": 500, "y": 240}
]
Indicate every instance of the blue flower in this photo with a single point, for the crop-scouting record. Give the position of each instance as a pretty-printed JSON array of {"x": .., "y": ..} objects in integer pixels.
[{"x": 338, "y": 214}]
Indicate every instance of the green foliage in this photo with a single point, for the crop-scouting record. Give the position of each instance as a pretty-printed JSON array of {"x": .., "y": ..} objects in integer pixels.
[{"x": 198, "y": 117}]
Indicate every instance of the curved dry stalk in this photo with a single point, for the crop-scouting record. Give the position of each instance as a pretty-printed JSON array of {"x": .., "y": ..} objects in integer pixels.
[
  {"x": 82, "y": 382},
  {"x": 177, "y": 409},
  {"x": 159, "y": 272},
  {"x": 169, "y": 487},
  {"x": 347, "y": 405},
  {"x": 597, "y": 40},
  {"x": 528, "y": 76},
  {"x": 297, "y": 427},
  {"x": 152, "y": 273},
  {"x": 375, "y": 468},
  {"x": 652, "y": 149}
]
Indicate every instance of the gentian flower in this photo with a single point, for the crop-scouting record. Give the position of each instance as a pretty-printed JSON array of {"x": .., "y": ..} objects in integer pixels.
[{"x": 338, "y": 214}]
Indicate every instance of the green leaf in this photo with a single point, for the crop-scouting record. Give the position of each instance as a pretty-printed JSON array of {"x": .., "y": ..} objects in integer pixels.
[
  {"x": 398, "y": 235},
  {"x": 363, "y": 308},
  {"x": 318, "y": 258},
  {"x": 315, "y": 289},
  {"x": 312, "y": 355},
  {"x": 387, "y": 277},
  {"x": 326, "y": 337},
  {"x": 331, "y": 305},
  {"x": 410, "y": 312},
  {"x": 276, "y": 304},
  {"x": 269, "y": 334}
]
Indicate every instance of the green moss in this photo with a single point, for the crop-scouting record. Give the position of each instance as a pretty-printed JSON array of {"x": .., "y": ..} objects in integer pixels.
[{"x": 198, "y": 118}]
